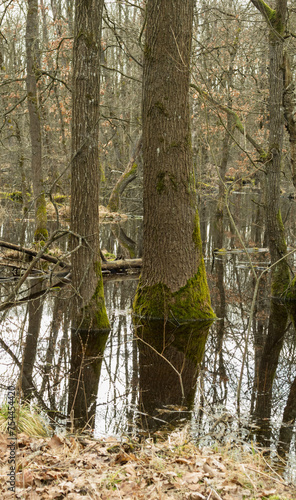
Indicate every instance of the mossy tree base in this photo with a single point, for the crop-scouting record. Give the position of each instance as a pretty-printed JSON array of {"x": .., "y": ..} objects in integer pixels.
[
  {"x": 190, "y": 303},
  {"x": 93, "y": 316}
]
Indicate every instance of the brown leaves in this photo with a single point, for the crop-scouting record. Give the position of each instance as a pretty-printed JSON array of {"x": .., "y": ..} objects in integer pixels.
[
  {"x": 74, "y": 468},
  {"x": 55, "y": 442}
]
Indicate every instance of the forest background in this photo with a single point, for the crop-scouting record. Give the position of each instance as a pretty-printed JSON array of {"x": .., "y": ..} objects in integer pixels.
[{"x": 229, "y": 68}]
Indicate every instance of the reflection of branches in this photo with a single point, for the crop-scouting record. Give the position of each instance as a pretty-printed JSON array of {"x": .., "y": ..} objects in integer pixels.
[
  {"x": 55, "y": 236},
  {"x": 30, "y": 382},
  {"x": 253, "y": 270}
]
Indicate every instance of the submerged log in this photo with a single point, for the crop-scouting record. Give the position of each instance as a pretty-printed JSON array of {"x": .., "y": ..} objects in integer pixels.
[
  {"x": 108, "y": 267},
  {"x": 121, "y": 265},
  {"x": 114, "y": 266},
  {"x": 32, "y": 253}
]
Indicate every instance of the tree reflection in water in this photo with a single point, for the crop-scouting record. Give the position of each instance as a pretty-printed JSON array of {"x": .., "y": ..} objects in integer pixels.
[
  {"x": 133, "y": 387},
  {"x": 169, "y": 362}
]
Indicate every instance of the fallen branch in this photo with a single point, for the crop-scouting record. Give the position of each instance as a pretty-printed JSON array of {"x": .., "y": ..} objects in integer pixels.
[
  {"x": 113, "y": 266},
  {"x": 32, "y": 253},
  {"x": 122, "y": 265}
]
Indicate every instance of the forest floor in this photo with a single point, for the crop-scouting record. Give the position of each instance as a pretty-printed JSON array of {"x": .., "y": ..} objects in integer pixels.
[{"x": 79, "y": 467}]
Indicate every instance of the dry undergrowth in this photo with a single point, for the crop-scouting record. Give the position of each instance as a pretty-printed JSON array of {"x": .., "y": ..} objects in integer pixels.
[
  {"x": 64, "y": 213},
  {"x": 76, "y": 467}
]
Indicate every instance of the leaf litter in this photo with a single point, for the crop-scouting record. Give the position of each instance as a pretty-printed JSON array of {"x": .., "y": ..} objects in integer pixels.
[{"x": 79, "y": 467}]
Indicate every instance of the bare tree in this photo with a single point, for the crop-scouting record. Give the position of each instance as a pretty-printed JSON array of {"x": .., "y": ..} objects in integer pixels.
[
  {"x": 89, "y": 306},
  {"x": 33, "y": 65},
  {"x": 173, "y": 282}
]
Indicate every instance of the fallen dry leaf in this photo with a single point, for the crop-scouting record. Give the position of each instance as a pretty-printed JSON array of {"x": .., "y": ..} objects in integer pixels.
[
  {"x": 208, "y": 470},
  {"x": 182, "y": 460},
  {"x": 55, "y": 442},
  {"x": 195, "y": 495},
  {"x": 23, "y": 440},
  {"x": 24, "y": 479},
  {"x": 268, "y": 493}
]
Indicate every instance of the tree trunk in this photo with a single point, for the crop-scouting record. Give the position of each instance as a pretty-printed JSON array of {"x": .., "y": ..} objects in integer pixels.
[
  {"x": 280, "y": 272},
  {"x": 126, "y": 177},
  {"x": 87, "y": 350},
  {"x": 35, "y": 309},
  {"x": 289, "y": 111},
  {"x": 88, "y": 304},
  {"x": 173, "y": 282},
  {"x": 34, "y": 115}
]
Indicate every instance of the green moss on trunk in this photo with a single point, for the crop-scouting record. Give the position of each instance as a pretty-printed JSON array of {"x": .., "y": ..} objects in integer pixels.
[
  {"x": 190, "y": 303},
  {"x": 94, "y": 315},
  {"x": 281, "y": 271}
]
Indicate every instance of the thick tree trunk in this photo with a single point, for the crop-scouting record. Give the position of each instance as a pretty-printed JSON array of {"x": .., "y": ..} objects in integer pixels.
[
  {"x": 289, "y": 107},
  {"x": 88, "y": 305},
  {"x": 280, "y": 273},
  {"x": 169, "y": 362},
  {"x": 34, "y": 115},
  {"x": 173, "y": 282}
]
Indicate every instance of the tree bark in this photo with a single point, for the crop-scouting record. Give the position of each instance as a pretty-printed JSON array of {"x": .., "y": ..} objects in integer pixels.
[
  {"x": 88, "y": 304},
  {"x": 289, "y": 111},
  {"x": 280, "y": 272},
  {"x": 173, "y": 282},
  {"x": 35, "y": 309},
  {"x": 34, "y": 115}
]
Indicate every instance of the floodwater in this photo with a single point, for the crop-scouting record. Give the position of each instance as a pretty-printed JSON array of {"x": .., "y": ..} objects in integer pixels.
[{"x": 147, "y": 381}]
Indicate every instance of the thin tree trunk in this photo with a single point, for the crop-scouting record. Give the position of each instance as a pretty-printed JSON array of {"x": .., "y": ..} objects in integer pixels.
[{"x": 32, "y": 52}]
